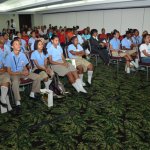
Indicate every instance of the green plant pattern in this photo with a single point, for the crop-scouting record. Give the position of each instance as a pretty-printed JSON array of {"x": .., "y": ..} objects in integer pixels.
[{"x": 114, "y": 115}]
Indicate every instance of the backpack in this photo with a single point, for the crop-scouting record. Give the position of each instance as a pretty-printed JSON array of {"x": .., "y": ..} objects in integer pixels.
[{"x": 56, "y": 86}]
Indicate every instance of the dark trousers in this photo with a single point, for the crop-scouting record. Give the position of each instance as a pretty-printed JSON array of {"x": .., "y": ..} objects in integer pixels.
[{"x": 103, "y": 53}]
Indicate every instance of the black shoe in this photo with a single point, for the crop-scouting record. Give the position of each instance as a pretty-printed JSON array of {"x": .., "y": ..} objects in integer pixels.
[
  {"x": 18, "y": 110},
  {"x": 3, "y": 104},
  {"x": 88, "y": 84}
]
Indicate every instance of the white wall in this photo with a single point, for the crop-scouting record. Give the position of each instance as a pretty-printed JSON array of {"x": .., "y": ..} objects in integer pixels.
[
  {"x": 5, "y": 17},
  {"x": 120, "y": 19},
  {"x": 37, "y": 19}
]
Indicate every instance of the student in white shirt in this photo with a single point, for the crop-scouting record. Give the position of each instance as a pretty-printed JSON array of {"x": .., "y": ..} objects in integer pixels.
[{"x": 145, "y": 49}]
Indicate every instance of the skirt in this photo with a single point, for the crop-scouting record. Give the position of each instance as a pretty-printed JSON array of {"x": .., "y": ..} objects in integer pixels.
[{"x": 62, "y": 70}]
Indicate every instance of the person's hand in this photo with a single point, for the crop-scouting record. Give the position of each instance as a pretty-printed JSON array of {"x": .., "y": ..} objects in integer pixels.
[
  {"x": 102, "y": 44},
  {"x": 25, "y": 73},
  {"x": 48, "y": 71},
  {"x": 65, "y": 64}
]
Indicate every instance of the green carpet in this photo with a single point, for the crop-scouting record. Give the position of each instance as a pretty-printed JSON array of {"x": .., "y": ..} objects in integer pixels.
[{"x": 114, "y": 115}]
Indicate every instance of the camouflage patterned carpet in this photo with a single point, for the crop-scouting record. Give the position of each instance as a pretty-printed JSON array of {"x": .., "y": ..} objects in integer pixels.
[{"x": 114, "y": 115}]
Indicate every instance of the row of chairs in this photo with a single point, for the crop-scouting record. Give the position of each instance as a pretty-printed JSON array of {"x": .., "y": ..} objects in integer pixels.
[{"x": 117, "y": 60}]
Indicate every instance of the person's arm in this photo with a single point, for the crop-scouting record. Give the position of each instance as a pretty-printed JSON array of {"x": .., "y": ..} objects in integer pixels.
[
  {"x": 81, "y": 53},
  {"x": 3, "y": 70},
  {"x": 38, "y": 66},
  {"x": 25, "y": 72},
  {"x": 145, "y": 53},
  {"x": 56, "y": 63}
]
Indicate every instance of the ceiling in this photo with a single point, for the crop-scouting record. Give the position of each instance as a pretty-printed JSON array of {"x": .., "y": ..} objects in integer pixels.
[{"x": 55, "y": 6}]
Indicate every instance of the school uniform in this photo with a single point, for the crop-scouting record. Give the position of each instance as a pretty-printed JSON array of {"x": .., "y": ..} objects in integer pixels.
[
  {"x": 86, "y": 36},
  {"x": 8, "y": 43},
  {"x": 56, "y": 54},
  {"x": 4, "y": 77},
  {"x": 80, "y": 40},
  {"x": 49, "y": 44},
  {"x": 31, "y": 42},
  {"x": 78, "y": 59},
  {"x": 137, "y": 40},
  {"x": 126, "y": 43},
  {"x": 40, "y": 58},
  {"x": 23, "y": 45},
  {"x": 145, "y": 47},
  {"x": 115, "y": 43},
  {"x": 17, "y": 63}
]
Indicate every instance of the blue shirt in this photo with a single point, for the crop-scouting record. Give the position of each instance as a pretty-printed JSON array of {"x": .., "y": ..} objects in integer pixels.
[
  {"x": 137, "y": 39},
  {"x": 49, "y": 44},
  {"x": 126, "y": 43},
  {"x": 8, "y": 43},
  {"x": 16, "y": 62},
  {"x": 1, "y": 61},
  {"x": 71, "y": 47},
  {"x": 86, "y": 36},
  {"x": 115, "y": 43},
  {"x": 4, "y": 53},
  {"x": 55, "y": 53},
  {"x": 31, "y": 42},
  {"x": 39, "y": 57},
  {"x": 23, "y": 45}
]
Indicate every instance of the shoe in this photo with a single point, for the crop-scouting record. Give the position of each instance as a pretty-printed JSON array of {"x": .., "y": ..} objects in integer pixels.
[
  {"x": 36, "y": 96},
  {"x": 18, "y": 110},
  {"x": 3, "y": 104}
]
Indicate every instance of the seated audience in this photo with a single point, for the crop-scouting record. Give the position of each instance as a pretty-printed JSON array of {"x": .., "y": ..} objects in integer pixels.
[
  {"x": 23, "y": 44},
  {"x": 80, "y": 39},
  {"x": 25, "y": 37},
  {"x": 97, "y": 47},
  {"x": 103, "y": 35},
  {"x": 16, "y": 63},
  {"x": 145, "y": 49},
  {"x": 137, "y": 40},
  {"x": 86, "y": 35},
  {"x": 32, "y": 40},
  {"x": 4, "y": 78},
  {"x": 75, "y": 51},
  {"x": 7, "y": 41},
  {"x": 115, "y": 49},
  {"x": 39, "y": 57},
  {"x": 62, "y": 67},
  {"x": 126, "y": 42}
]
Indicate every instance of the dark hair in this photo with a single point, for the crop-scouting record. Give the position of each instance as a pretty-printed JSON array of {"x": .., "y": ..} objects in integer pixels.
[
  {"x": 36, "y": 46},
  {"x": 54, "y": 36},
  {"x": 115, "y": 31},
  {"x": 12, "y": 42},
  {"x": 32, "y": 31},
  {"x": 73, "y": 38},
  {"x": 136, "y": 30},
  {"x": 128, "y": 32},
  {"x": 144, "y": 37},
  {"x": 94, "y": 31}
]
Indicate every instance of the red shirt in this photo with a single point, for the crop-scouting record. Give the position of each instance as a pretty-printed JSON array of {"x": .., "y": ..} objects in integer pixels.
[
  {"x": 62, "y": 38},
  {"x": 102, "y": 36},
  {"x": 26, "y": 38}
]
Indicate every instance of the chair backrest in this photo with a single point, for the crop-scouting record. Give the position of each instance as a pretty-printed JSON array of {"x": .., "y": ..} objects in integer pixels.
[
  {"x": 66, "y": 52},
  {"x": 89, "y": 44},
  {"x": 139, "y": 54},
  {"x": 28, "y": 55}
]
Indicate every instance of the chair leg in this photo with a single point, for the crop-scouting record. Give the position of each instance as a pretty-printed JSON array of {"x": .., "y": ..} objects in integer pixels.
[
  {"x": 117, "y": 67},
  {"x": 147, "y": 72},
  {"x": 96, "y": 60}
]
